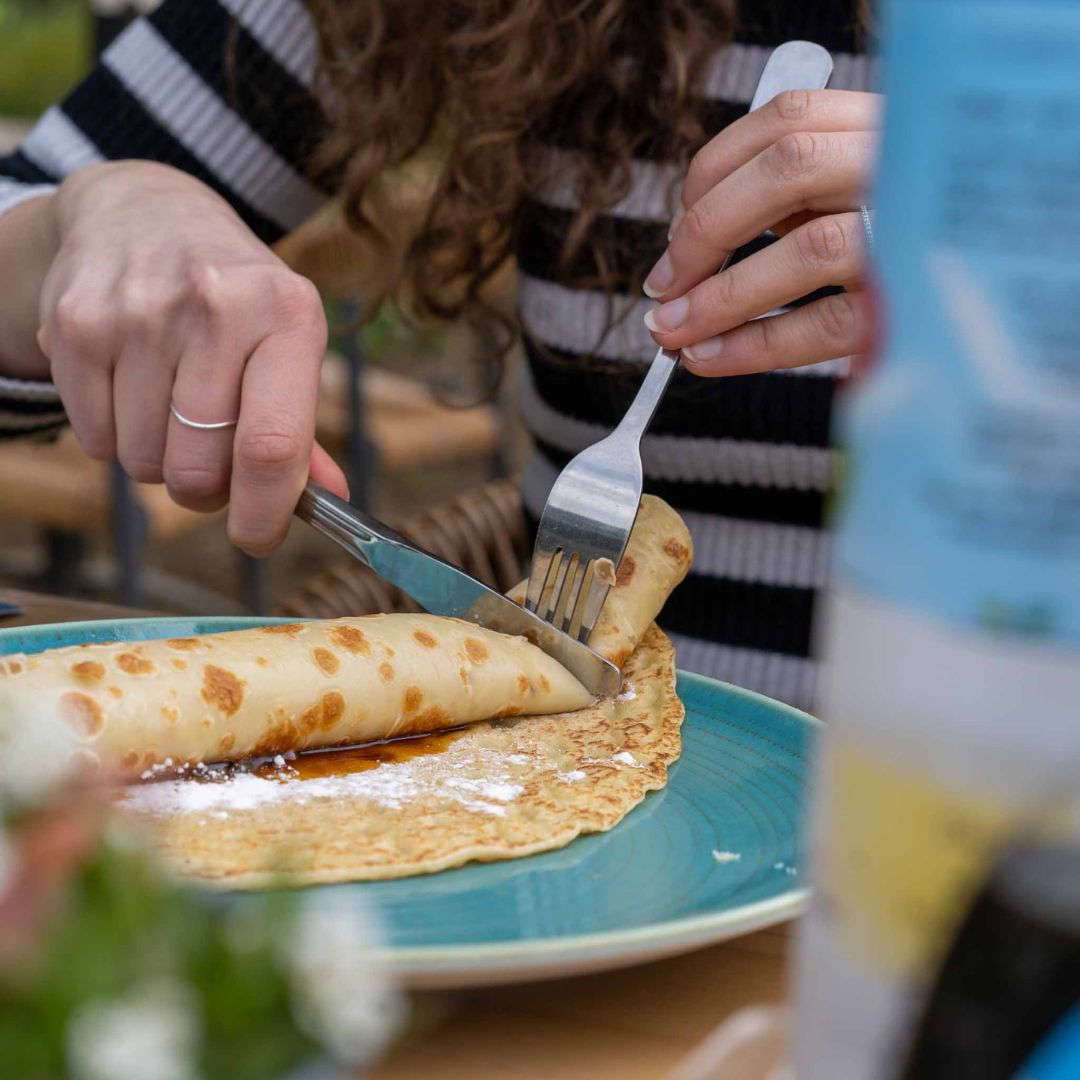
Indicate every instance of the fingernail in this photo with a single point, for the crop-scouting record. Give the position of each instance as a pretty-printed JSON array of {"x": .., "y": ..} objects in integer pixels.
[
  {"x": 675, "y": 221},
  {"x": 702, "y": 352},
  {"x": 660, "y": 279},
  {"x": 669, "y": 316}
]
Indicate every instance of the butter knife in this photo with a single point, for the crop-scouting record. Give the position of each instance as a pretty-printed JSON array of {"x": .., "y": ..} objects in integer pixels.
[{"x": 443, "y": 589}]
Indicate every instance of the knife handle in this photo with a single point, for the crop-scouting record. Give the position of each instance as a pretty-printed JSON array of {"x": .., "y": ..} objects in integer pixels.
[{"x": 341, "y": 522}]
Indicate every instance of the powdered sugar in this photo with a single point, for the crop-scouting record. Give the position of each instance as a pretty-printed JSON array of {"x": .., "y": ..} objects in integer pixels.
[{"x": 476, "y": 778}]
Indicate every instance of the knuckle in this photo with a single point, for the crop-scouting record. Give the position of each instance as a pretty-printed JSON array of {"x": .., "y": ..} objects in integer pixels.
[
  {"x": 724, "y": 290},
  {"x": 695, "y": 226},
  {"x": 142, "y": 470},
  {"x": 796, "y": 155},
  {"x": 838, "y": 318},
  {"x": 207, "y": 289},
  {"x": 296, "y": 300},
  {"x": 196, "y": 481},
  {"x": 792, "y": 106},
  {"x": 148, "y": 305},
  {"x": 823, "y": 241},
  {"x": 80, "y": 321},
  {"x": 269, "y": 447}
]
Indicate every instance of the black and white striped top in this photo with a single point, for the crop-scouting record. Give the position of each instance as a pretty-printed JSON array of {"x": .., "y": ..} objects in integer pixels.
[{"x": 746, "y": 460}]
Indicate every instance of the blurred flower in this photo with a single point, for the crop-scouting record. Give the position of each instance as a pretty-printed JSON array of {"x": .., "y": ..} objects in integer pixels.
[
  {"x": 151, "y": 1034},
  {"x": 341, "y": 992},
  {"x": 35, "y": 758}
]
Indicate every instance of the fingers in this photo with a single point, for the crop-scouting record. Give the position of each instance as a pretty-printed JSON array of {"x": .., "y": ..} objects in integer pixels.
[
  {"x": 818, "y": 172},
  {"x": 786, "y": 114},
  {"x": 198, "y": 463},
  {"x": 825, "y": 251},
  {"x": 276, "y": 432},
  {"x": 142, "y": 389},
  {"x": 326, "y": 472},
  {"x": 824, "y": 330},
  {"x": 78, "y": 337}
]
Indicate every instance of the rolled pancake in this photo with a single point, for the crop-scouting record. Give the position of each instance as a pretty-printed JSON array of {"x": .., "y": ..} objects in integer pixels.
[
  {"x": 300, "y": 686},
  {"x": 496, "y": 790},
  {"x": 280, "y": 688}
]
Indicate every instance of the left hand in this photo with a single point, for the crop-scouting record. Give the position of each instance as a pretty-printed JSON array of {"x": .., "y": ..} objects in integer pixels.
[{"x": 798, "y": 166}]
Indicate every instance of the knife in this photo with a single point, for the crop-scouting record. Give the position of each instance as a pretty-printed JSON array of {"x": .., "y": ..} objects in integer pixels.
[{"x": 443, "y": 589}]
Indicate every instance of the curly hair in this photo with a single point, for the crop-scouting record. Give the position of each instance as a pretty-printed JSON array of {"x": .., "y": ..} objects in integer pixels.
[{"x": 486, "y": 78}]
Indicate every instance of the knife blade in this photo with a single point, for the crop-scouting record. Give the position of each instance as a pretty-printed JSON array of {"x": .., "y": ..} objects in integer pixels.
[{"x": 443, "y": 589}]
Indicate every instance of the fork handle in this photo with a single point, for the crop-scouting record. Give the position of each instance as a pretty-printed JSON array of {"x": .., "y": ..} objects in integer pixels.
[{"x": 638, "y": 416}]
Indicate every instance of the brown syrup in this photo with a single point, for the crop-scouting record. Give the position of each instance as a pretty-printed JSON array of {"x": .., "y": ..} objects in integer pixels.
[{"x": 315, "y": 764}]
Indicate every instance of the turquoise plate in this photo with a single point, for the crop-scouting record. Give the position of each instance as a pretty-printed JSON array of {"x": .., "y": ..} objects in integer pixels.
[{"x": 716, "y": 854}]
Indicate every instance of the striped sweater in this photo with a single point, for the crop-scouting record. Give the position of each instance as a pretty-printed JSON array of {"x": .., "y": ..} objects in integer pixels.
[{"x": 224, "y": 89}]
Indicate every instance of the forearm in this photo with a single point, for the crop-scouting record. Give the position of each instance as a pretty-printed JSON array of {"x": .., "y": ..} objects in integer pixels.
[{"x": 28, "y": 245}]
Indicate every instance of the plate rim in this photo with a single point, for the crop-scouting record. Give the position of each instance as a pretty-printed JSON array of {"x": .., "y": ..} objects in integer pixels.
[{"x": 691, "y": 930}]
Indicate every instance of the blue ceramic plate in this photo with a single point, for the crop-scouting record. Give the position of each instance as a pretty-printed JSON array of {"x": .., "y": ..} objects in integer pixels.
[{"x": 714, "y": 855}]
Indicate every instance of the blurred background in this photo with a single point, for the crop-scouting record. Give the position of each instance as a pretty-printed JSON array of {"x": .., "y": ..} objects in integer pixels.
[{"x": 415, "y": 416}]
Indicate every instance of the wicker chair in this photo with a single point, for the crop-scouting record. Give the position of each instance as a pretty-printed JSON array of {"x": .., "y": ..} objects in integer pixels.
[{"x": 483, "y": 531}]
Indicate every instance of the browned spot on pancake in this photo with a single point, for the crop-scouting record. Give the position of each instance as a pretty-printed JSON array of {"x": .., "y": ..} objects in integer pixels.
[
  {"x": 185, "y": 644},
  {"x": 326, "y": 660},
  {"x": 170, "y": 714},
  {"x": 14, "y": 667},
  {"x": 430, "y": 719},
  {"x": 207, "y": 722},
  {"x": 463, "y": 672},
  {"x": 180, "y": 665},
  {"x": 676, "y": 550},
  {"x": 512, "y": 710},
  {"x": 386, "y": 671},
  {"x": 476, "y": 650},
  {"x": 389, "y": 651},
  {"x": 116, "y": 691},
  {"x": 81, "y": 712},
  {"x": 289, "y": 629},
  {"x": 413, "y": 698},
  {"x": 88, "y": 669},
  {"x": 262, "y": 661},
  {"x": 626, "y": 571},
  {"x": 130, "y": 759},
  {"x": 524, "y": 685},
  {"x": 350, "y": 639},
  {"x": 222, "y": 689},
  {"x": 423, "y": 638},
  {"x": 226, "y": 743},
  {"x": 151, "y": 758},
  {"x": 333, "y": 709},
  {"x": 545, "y": 682},
  {"x": 135, "y": 665},
  {"x": 281, "y": 736}
]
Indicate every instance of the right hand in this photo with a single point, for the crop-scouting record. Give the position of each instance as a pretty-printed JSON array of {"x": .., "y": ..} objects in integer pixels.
[{"x": 159, "y": 293}]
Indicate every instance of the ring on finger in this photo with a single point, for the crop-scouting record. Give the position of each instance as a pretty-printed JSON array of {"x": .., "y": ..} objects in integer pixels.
[{"x": 220, "y": 425}]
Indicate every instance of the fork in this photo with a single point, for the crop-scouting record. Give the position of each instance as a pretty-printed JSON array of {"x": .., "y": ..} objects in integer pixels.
[
  {"x": 589, "y": 514},
  {"x": 592, "y": 507}
]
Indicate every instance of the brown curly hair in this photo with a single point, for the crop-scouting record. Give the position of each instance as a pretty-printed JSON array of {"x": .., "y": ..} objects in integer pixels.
[{"x": 486, "y": 80}]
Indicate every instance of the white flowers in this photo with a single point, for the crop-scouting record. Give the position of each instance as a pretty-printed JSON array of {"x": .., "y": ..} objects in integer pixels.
[
  {"x": 341, "y": 993},
  {"x": 152, "y": 1033}
]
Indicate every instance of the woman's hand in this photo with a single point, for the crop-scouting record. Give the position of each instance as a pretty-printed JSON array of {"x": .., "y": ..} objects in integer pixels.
[
  {"x": 798, "y": 166},
  {"x": 160, "y": 294}
]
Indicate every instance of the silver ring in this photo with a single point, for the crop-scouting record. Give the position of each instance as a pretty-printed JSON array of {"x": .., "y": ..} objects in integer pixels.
[
  {"x": 220, "y": 426},
  {"x": 867, "y": 224}
]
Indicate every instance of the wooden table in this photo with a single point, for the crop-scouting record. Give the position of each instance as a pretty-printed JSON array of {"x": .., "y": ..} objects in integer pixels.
[{"x": 634, "y": 1024}]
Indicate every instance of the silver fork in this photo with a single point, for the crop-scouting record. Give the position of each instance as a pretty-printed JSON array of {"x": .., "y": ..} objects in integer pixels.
[
  {"x": 593, "y": 505},
  {"x": 589, "y": 514}
]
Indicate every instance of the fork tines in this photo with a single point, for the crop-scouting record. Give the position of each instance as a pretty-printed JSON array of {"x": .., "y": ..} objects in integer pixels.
[{"x": 568, "y": 590}]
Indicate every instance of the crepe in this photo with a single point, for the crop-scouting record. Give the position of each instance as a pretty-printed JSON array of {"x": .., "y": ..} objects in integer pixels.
[
  {"x": 274, "y": 689},
  {"x": 496, "y": 790},
  {"x": 287, "y": 687}
]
